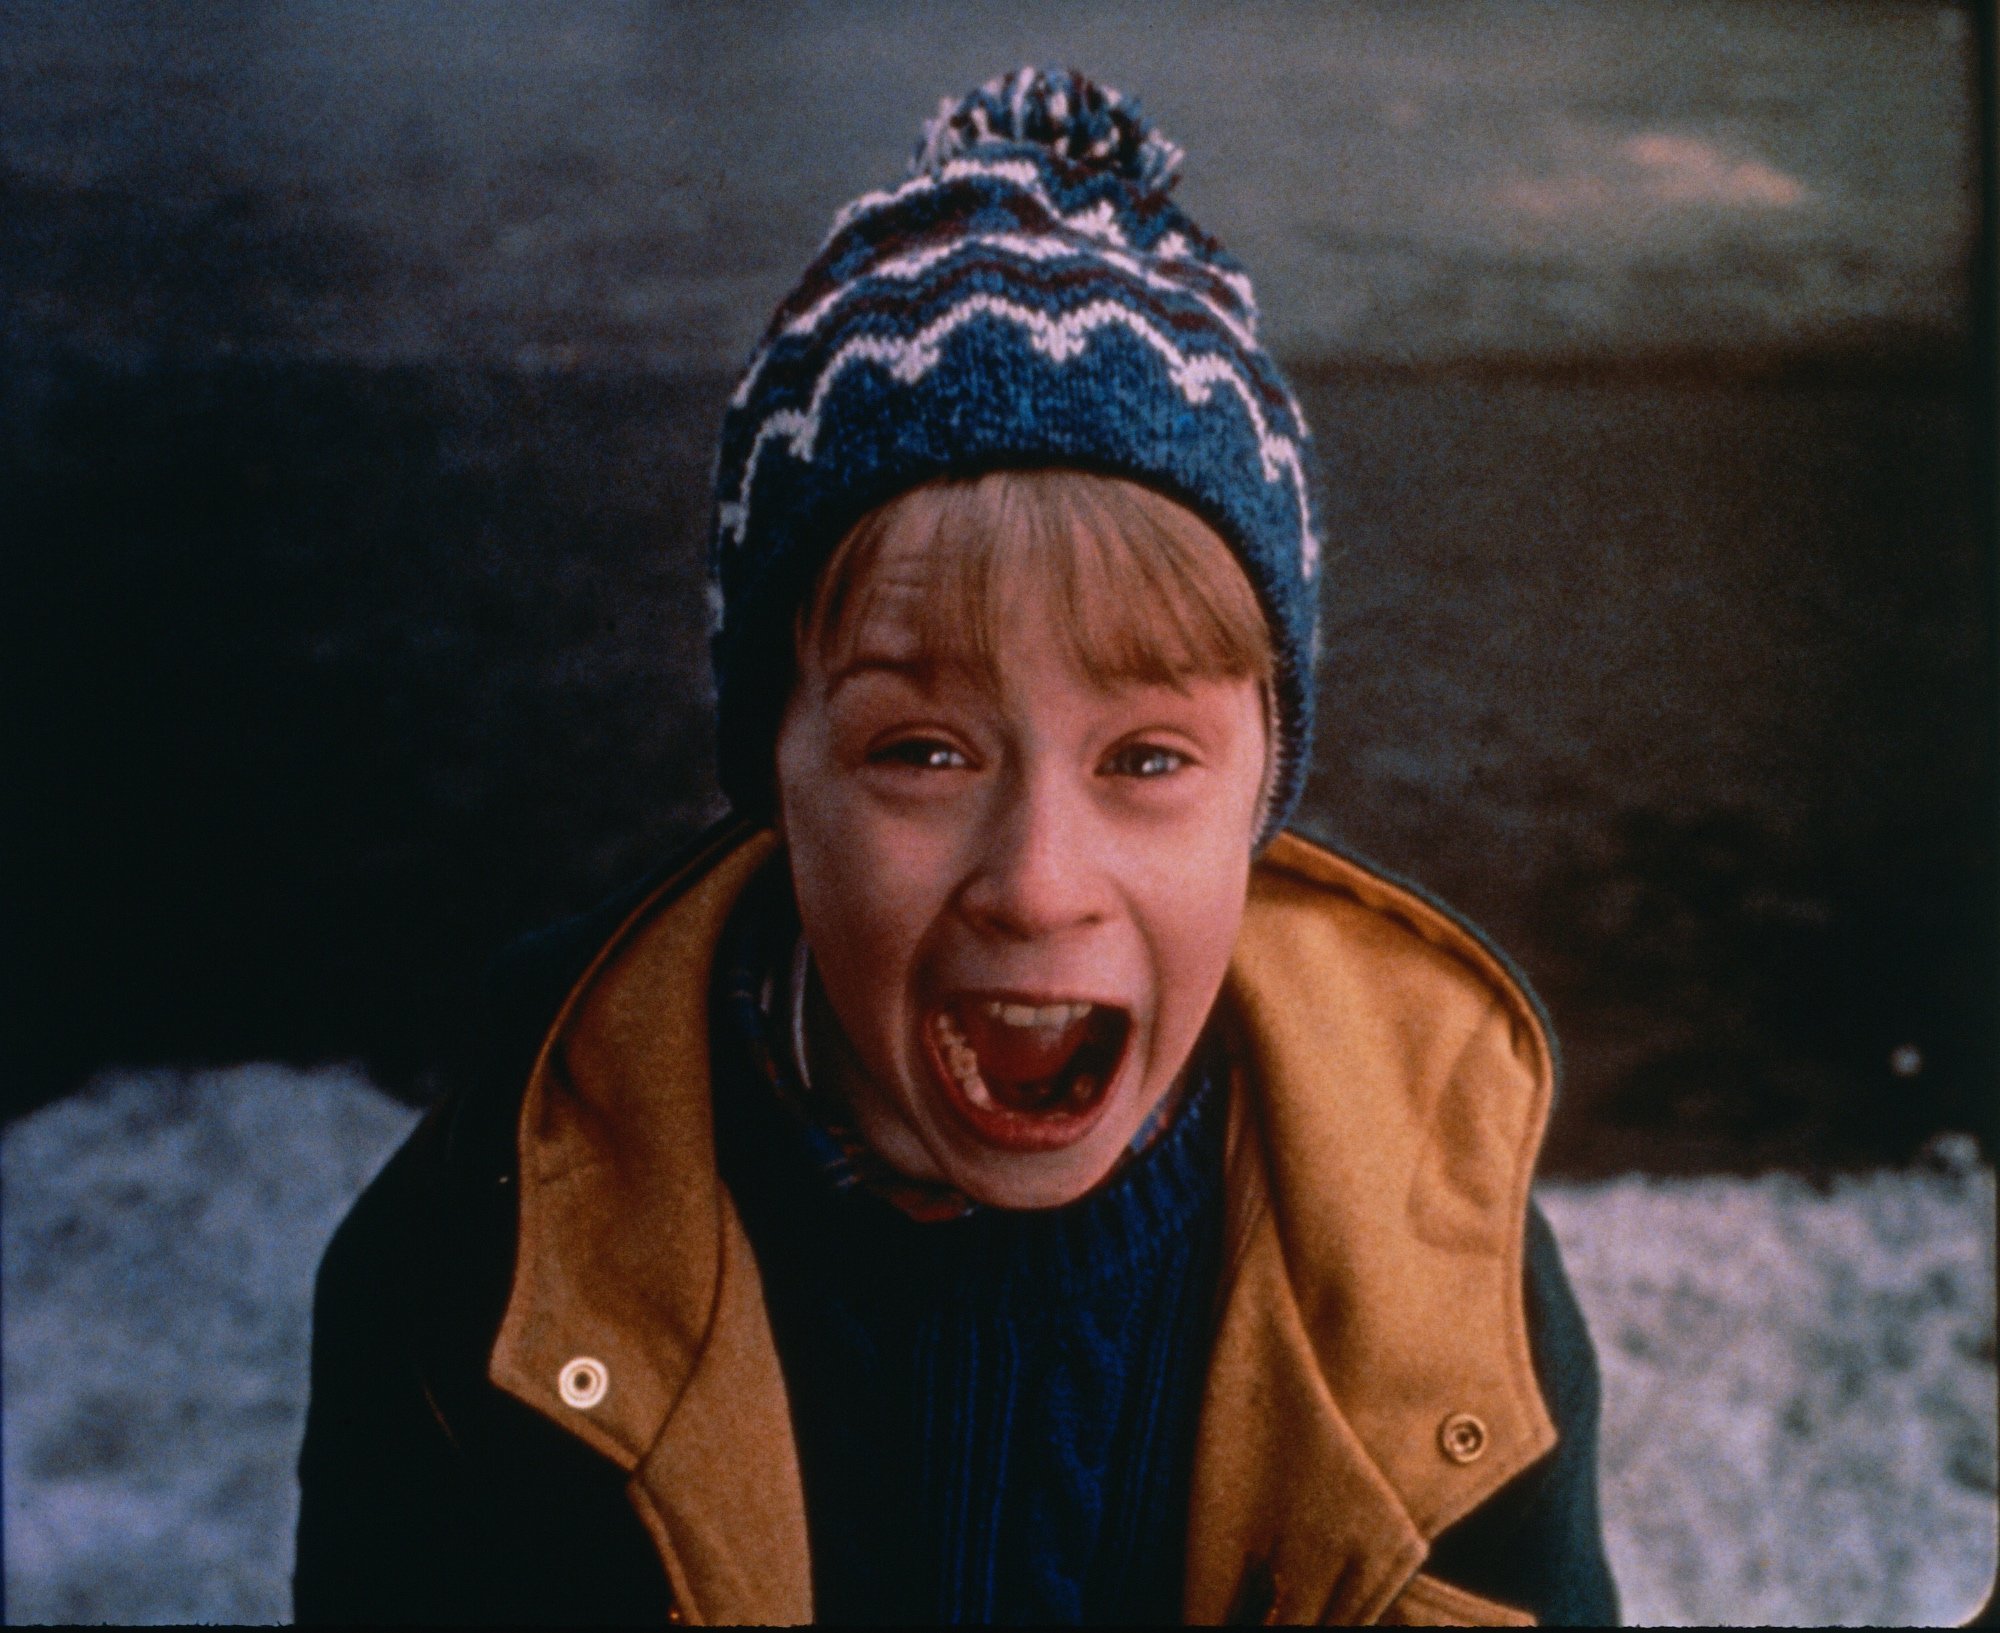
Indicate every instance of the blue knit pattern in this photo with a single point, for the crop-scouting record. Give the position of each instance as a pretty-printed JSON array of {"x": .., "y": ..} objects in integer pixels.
[{"x": 1029, "y": 296}]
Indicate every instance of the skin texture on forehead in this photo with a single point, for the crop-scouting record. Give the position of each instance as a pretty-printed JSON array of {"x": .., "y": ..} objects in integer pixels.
[
  {"x": 1136, "y": 586},
  {"x": 1032, "y": 835}
]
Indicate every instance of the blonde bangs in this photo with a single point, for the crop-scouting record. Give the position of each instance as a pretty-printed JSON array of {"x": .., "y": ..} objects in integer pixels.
[{"x": 1137, "y": 588}]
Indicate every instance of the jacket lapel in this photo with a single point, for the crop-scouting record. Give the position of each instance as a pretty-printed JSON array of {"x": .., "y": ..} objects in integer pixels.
[
  {"x": 1379, "y": 1175},
  {"x": 631, "y": 1255},
  {"x": 1289, "y": 1514}
]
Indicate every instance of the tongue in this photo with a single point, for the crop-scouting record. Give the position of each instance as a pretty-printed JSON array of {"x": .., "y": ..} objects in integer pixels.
[{"x": 1012, "y": 1057}]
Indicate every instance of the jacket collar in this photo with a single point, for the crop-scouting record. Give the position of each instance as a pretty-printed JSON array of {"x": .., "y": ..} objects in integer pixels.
[{"x": 1372, "y": 1308}]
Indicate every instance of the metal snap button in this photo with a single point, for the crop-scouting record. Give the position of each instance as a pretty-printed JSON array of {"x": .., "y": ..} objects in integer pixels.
[
  {"x": 1462, "y": 1437},
  {"x": 583, "y": 1382}
]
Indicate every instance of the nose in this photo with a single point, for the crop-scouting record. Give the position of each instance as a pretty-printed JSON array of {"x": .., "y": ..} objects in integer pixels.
[{"x": 1036, "y": 872}]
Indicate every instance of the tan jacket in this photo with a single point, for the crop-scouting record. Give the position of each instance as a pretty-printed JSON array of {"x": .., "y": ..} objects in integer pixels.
[{"x": 1371, "y": 1381}]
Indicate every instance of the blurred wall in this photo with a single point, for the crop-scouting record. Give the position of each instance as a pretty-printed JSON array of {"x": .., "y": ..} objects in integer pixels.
[{"x": 359, "y": 369}]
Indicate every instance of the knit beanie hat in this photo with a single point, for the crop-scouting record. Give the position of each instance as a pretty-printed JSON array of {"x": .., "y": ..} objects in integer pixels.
[{"x": 1030, "y": 296}]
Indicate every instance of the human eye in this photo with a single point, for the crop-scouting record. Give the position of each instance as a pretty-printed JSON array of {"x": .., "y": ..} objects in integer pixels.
[
  {"x": 921, "y": 754},
  {"x": 1144, "y": 760}
]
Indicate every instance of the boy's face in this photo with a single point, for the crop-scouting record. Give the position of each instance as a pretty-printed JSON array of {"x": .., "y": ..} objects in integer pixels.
[{"x": 1020, "y": 904}]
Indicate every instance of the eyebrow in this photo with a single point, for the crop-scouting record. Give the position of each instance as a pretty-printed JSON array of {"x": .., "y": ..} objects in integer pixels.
[{"x": 920, "y": 672}]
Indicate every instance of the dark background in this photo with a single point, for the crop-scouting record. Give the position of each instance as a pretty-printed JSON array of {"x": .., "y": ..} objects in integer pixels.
[{"x": 359, "y": 370}]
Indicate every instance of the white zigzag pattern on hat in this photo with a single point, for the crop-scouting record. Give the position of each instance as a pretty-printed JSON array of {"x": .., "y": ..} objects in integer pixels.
[
  {"x": 1059, "y": 339},
  {"x": 1029, "y": 247},
  {"x": 1022, "y": 172},
  {"x": 1099, "y": 221},
  {"x": 1173, "y": 247}
]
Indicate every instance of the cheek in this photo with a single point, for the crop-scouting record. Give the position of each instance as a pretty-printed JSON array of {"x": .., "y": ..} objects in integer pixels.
[
  {"x": 864, "y": 880},
  {"x": 1203, "y": 933},
  {"x": 1192, "y": 930}
]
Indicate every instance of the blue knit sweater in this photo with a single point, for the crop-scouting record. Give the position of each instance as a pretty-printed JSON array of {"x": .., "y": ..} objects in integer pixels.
[{"x": 995, "y": 1415}]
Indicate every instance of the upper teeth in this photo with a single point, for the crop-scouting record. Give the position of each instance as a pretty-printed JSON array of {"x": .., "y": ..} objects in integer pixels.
[{"x": 1036, "y": 1014}]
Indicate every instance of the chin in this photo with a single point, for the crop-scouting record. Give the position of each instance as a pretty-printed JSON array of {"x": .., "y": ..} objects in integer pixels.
[{"x": 1021, "y": 1181}]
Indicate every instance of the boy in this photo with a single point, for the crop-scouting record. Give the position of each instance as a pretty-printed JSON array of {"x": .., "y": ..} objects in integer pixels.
[{"x": 1000, "y": 1175}]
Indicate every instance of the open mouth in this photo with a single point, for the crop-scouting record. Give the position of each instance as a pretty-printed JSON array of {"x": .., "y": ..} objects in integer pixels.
[{"x": 1027, "y": 1076}]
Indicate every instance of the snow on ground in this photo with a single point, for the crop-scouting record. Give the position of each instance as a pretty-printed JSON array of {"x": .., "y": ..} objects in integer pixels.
[
  {"x": 158, "y": 1242},
  {"x": 1799, "y": 1412},
  {"x": 1798, "y": 1391}
]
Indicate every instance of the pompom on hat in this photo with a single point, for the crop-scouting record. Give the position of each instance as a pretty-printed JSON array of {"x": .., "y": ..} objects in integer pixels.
[{"x": 1029, "y": 296}]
